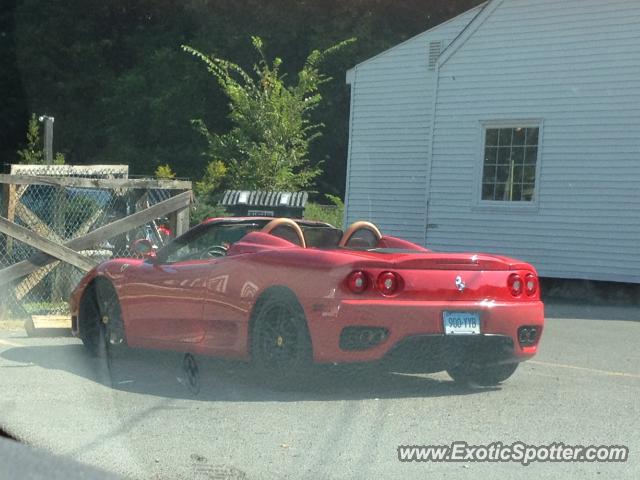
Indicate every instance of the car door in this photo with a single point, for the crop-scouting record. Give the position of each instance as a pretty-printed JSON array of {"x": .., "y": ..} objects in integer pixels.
[
  {"x": 166, "y": 293},
  {"x": 166, "y": 301}
]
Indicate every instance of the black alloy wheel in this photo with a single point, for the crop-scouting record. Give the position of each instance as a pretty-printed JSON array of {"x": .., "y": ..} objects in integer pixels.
[
  {"x": 102, "y": 330},
  {"x": 280, "y": 343}
]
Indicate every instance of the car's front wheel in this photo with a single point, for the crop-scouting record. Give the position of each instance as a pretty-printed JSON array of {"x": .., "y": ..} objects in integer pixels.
[
  {"x": 281, "y": 348},
  {"x": 483, "y": 375},
  {"x": 101, "y": 326}
]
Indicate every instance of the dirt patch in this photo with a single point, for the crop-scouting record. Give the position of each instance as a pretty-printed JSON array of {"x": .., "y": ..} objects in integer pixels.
[{"x": 12, "y": 325}]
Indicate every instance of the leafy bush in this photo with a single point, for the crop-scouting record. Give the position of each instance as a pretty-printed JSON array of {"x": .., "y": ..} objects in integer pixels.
[
  {"x": 203, "y": 210},
  {"x": 332, "y": 214},
  {"x": 165, "y": 172}
]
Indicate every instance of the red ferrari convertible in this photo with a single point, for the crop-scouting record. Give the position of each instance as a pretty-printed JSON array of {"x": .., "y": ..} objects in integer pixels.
[{"x": 285, "y": 294}]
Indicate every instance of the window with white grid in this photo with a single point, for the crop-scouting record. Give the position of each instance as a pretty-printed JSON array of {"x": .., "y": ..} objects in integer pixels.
[{"x": 509, "y": 164}]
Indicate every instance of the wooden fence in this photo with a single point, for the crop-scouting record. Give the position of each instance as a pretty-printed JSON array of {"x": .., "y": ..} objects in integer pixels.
[{"x": 39, "y": 246}]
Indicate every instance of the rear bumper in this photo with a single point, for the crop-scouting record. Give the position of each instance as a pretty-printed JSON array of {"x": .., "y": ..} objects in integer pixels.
[
  {"x": 434, "y": 353},
  {"x": 405, "y": 320}
]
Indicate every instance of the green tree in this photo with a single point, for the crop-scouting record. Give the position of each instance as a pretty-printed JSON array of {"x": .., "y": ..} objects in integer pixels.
[
  {"x": 122, "y": 91},
  {"x": 267, "y": 147},
  {"x": 33, "y": 153}
]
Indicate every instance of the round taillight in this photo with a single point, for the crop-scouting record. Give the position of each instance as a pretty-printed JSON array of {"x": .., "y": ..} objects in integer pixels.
[
  {"x": 530, "y": 284},
  {"x": 387, "y": 283},
  {"x": 357, "y": 281},
  {"x": 515, "y": 284}
]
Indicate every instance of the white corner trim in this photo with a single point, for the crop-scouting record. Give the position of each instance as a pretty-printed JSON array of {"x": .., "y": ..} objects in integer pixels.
[
  {"x": 469, "y": 30},
  {"x": 352, "y": 102},
  {"x": 351, "y": 76}
]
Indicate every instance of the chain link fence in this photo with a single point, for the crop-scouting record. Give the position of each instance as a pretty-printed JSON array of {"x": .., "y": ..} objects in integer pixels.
[{"x": 60, "y": 214}]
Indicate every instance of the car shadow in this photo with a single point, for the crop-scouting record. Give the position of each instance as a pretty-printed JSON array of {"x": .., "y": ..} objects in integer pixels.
[{"x": 162, "y": 374}]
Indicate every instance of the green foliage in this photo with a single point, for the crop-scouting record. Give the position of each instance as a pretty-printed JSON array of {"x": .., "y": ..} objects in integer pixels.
[
  {"x": 122, "y": 91},
  {"x": 337, "y": 201},
  {"x": 59, "y": 159},
  {"x": 203, "y": 210},
  {"x": 267, "y": 147},
  {"x": 332, "y": 214},
  {"x": 214, "y": 178},
  {"x": 33, "y": 153},
  {"x": 165, "y": 172}
]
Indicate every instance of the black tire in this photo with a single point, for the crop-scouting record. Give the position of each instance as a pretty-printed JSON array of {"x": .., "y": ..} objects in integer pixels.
[
  {"x": 281, "y": 350},
  {"x": 483, "y": 375},
  {"x": 101, "y": 327}
]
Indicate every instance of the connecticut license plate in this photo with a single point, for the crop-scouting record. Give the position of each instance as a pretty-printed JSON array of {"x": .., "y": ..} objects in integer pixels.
[{"x": 461, "y": 323}]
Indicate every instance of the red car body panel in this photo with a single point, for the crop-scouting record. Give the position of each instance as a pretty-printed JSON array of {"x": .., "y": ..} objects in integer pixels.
[{"x": 205, "y": 306}]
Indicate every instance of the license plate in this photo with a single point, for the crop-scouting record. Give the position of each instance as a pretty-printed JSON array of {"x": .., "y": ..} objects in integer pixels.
[{"x": 461, "y": 323}]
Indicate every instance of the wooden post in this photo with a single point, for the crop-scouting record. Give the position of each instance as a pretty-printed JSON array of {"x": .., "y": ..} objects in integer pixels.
[
  {"x": 4, "y": 207},
  {"x": 57, "y": 288},
  {"x": 182, "y": 221},
  {"x": 9, "y": 199},
  {"x": 48, "y": 138},
  {"x": 179, "y": 221}
]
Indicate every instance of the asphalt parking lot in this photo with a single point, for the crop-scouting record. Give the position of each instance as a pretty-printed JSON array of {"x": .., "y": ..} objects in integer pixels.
[{"x": 139, "y": 418}]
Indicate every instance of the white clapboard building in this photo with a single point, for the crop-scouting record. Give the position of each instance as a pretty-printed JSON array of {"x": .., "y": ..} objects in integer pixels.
[{"x": 513, "y": 128}]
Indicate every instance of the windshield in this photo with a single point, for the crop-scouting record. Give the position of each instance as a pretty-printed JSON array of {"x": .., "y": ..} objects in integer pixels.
[
  {"x": 203, "y": 241},
  {"x": 320, "y": 239},
  {"x": 214, "y": 239}
]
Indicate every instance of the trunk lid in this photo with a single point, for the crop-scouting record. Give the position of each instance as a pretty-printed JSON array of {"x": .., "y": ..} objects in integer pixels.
[
  {"x": 438, "y": 261},
  {"x": 434, "y": 276}
]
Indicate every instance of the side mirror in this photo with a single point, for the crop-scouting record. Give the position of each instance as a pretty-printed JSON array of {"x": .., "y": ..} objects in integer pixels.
[{"x": 144, "y": 248}]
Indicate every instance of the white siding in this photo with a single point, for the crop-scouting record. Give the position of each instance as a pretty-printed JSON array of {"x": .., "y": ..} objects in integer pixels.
[
  {"x": 391, "y": 113},
  {"x": 575, "y": 65}
]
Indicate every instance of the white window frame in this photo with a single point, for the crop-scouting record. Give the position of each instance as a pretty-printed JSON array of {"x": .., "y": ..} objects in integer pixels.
[{"x": 504, "y": 205}]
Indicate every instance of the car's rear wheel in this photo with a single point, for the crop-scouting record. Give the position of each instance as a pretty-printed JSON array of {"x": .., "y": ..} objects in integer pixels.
[
  {"x": 101, "y": 326},
  {"x": 483, "y": 375},
  {"x": 281, "y": 348}
]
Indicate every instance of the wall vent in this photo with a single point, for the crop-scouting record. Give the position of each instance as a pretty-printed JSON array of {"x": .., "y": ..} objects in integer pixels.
[{"x": 435, "y": 48}]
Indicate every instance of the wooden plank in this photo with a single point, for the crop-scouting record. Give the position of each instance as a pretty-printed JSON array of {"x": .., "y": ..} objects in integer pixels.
[
  {"x": 48, "y": 326},
  {"x": 54, "y": 249},
  {"x": 33, "y": 222},
  {"x": 103, "y": 183},
  {"x": 27, "y": 284},
  {"x": 5, "y": 199},
  {"x": 20, "y": 269},
  {"x": 32, "y": 280},
  {"x": 20, "y": 192},
  {"x": 105, "y": 171},
  {"x": 12, "y": 200},
  {"x": 51, "y": 321},
  {"x": 182, "y": 200},
  {"x": 4, "y": 212}
]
